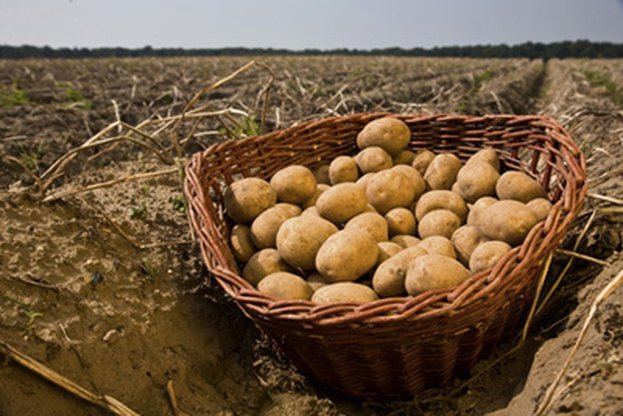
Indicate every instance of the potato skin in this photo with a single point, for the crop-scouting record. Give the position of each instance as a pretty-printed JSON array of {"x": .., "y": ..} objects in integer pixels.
[
  {"x": 400, "y": 221},
  {"x": 442, "y": 171},
  {"x": 247, "y": 198},
  {"x": 294, "y": 184},
  {"x": 347, "y": 255},
  {"x": 508, "y": 220},
  {"x": 342, "y": 202},
  {"x": 419, "y": 185},
  {"x": 321, "y": 173},
  {"x": 241, "y": 244},
  {"x": 391, "y": 134},
  {"x": 487, "y": 254},
  {"x": 465, "y": 240},
  {"x": 518, "y": 186},
  {"x": 285, "y": 286},
  {"x": 373, "y": 159},
  {"x": 316, "y": 281},
  {"x": 437, "y": 244},
  {"x": 421, "y": 160},
  {"x": 540, "y": 207},
  {"x": 432, "y": 272},
  {"x": 389, "y": 189},
  {"x": 343, "y": 169},
  {"x": 320, "y": 188},
  {"x": 364, "y": 180},
  {"x": 344, "y": 292},
  {"x": 405, "y": 241},
  {"x": 441, "y": 222},
  {"x": 405, "y": 157},
  {"x": 475, "y": 180},
  {"x": 264, "y": 228},
  {"x": 389, "y": 277},
  {"x": 263, "y": 263},
  {"x": 370, "y": 222},
  {"x": 300, "y": 238},
  {"x": 474, "y": 211},
  {"x": 487, "y": 155},
  {"x": 387, "y": 249},
  {"x": 440, "y": 199}
]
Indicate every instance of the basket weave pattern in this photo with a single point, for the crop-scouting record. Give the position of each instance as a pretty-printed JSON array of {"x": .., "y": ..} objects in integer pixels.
[{"x": 395, "y": 346}]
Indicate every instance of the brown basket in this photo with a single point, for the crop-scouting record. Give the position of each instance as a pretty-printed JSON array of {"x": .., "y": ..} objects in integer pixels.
[{"x": 402, "y": 345}]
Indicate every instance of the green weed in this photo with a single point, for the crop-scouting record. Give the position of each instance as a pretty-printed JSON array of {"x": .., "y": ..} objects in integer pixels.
[
  {"x": 13, "y": 96},
  {"x": 30, "y": 313},
  {"x": 612, "y": 89}
]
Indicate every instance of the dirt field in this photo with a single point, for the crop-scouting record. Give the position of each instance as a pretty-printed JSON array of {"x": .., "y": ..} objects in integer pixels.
[{"x": 107, "y": 288}]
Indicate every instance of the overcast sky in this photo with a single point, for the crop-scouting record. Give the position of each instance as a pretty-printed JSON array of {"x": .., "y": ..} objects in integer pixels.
[{"x": 300, "y": 24}]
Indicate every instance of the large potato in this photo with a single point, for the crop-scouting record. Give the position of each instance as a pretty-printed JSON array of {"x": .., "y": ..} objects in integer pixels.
[
  {"x": 342, "y": 202},
  {"x": 294, "y": 184},
  {"x": 421, "y": 160},
  {"x": 347, "y": 255},
  {"x": 344, "y": 292},
  {"x": 432, "y": 272},
  {"x": 540, "y": 207},
  {"x": 419, "y": 185},
  {"x": 507, "y": 220},
  {"x": 285, "y": 286},
  {"x": 387, "y": 249},
  {"x": 389, "y": 189},
  {"x": 440, "y": 199},
  {"x": 405, "y": 157},
  {"x": 488, "y": 156},
  {"x": 519, "y": 186},
  {"x": 370, "y": 222},
  {"x": 373, "y": 159},
  {"x": 300, "y": 238},
  {"x": 263, "y": 263},
  {"x": 400, "y": 221},
  {"x": 389, "y": 277},
  {"x": 391, "y": 134},
  {"x": 465, "y": 240},
  {"x": 441, "y": 222},
  {"x": 265, "y": 226},
  {"x": 405, "y": 241},
  {"x": 487, "y": 254},
  {"x": 475, "y": 180},
  {"x": 343, "y": 169},
  {"x": 247, "y": 198},
  {"x": 437, "y": 244},
  {"x": 321, "y": 173},
  {"x": 241, "y": 244},
  {"x": 476, "y": 208},
  {"x": 442, "y": 171}
]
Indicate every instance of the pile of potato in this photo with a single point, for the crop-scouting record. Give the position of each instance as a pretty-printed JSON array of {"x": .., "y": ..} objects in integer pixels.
[{"x": 385, "y": 222}]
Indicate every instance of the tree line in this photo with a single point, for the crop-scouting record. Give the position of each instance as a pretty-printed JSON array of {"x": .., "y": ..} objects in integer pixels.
[{"x": 532, "y": 50}]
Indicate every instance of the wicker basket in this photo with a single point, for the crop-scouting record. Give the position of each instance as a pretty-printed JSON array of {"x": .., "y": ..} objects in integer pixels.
[{"x": 395, "y": 346}]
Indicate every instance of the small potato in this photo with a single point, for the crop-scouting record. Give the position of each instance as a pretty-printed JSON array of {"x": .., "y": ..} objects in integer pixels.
[
  {"x": 343, "y": 169},
  {"x": 294, "y": 184},
  {"x": 373, "y": 159},
  {"x": 437, "y": 244},
  {"x": 509, "y": 221},
  {"x": 442, "y": 171},
  {"x": 285, "y": 286},
  {"x": 414, "y": 177},
  {"x": 389, "y": 189},
  {"x": 247, "y": 198},
  {"x": 241, "y": 244},
  {"x": 342, "y": 202},
  {"x": 488, "y": 156},
  {"x": 421, "y": 160},
  {"x": 370, "y": 222},
  {"x": 391, "y": 134},
  {"x": 316, "y": 281},
  {"x": 320, "y": 188},
  {"x": 465, "y": 240},
  {"x": 487, "y": 254},
  {"x": 475, "y": 209},
  {"x": 347, "y": 255},
  {"x": 433, "y": 272},
  {"x": 300, "y": 238},
  {"x": 344, "y": 292},
  {"x": 475, "y": 180},
  {"x": 540, "y": 207},
  {"x": 311, "y": 211},
  {"x": 440, "y": 199},
  {"x": 263, "y": 263},
  {"x": 404, "y": 158},
  {"x": 405, "y": 241},
  {"x": 438, "y": 222},
  {"x": 387, "y": 249},
  {"x": 389, "y": 277},
  {"x": 400, "y": 221},
  {"x": 519, "y": 186},
  {"x": 265, "y": 226},
  {"x": 321, "y": 173}
]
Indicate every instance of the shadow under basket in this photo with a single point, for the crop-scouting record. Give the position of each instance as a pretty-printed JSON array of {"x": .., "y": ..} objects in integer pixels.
[{"x": 394, "y": 347}]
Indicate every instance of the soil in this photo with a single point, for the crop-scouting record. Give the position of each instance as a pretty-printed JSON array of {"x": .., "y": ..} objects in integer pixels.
[{"x": 81, "y": 296}]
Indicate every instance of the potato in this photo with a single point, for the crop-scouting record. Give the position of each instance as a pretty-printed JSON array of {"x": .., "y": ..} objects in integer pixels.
[
  {"x": 465, "y": 240},
  {"x": 387, "y": 249},
  {"x": 400, "y": 221},
  {"x": 414, "y": 177},
  {"x": 320, "y": 188},
  {"x": 405, "y": 157},
  {"x": 389, "y": 189},
  {"x": 347, "y": 255},
  {"x": 476, "y": 208},
  {"x": 389, "y": 277},
  {"x": 391, "y": 134},
  {"x": 263, "y": 263},
  {"x": 373, "y": 159},
  {"x": 342, "y": 202},
  {"x": 265, "y": 226},
  {"x": 311, "y": 211},
  {"x": 440, "y": 199},
  {"x": 421, "y": 160},
  {"x": 364, "y": 180},
  {"x": 437, "y": 244},
  {"x": 507, "y": 220},
  {"x": 487, "y": 155},
  {"x": 316, "y": 281},
  {"x": 540, "y": 207},
  {"x": 441, "y": 222},
  {"x": 241, "y": 244},
  {"x": 370, "y": 222},
  {"x": 370, "y": 208},
  {"x": 285, "y": 286},
  {"x": 487, "y": 254},
  {"x": 344, "y": 292},
  {"x": 343, "y": 169},
  {"x": 300, "y": 238},
  {"x": 294, "y": 184},
  {"x": 321, "y": 173},
  {"x": 475, "y": 180},
  {"x": 433, "y": 272},
  {"x": 405, "y": 241},
  {"x": 442, "y": 171},
  {"x": 519, "y": 186},
  {"x": 247, "y": 198}
]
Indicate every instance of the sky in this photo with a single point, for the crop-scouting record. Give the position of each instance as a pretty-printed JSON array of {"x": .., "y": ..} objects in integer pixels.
[{"x": 301, "y": 24}]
